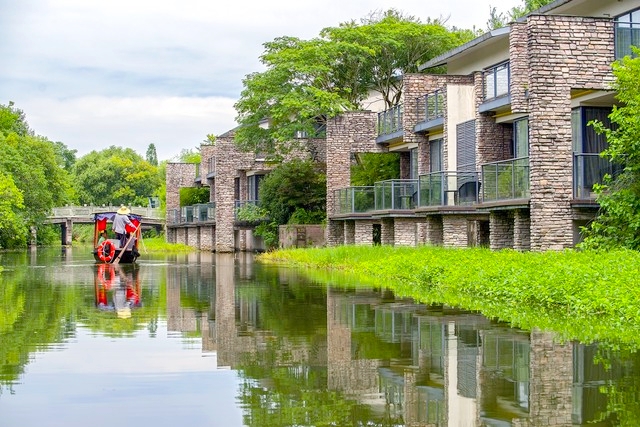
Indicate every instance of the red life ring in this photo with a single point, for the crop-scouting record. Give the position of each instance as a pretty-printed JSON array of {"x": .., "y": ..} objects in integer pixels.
[
  {"x": 102, "y": 275},
  {"x": 106, "y": 251}
]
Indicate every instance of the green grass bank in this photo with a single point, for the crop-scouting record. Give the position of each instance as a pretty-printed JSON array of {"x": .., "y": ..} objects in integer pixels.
[{"x": 588, "y": 296}]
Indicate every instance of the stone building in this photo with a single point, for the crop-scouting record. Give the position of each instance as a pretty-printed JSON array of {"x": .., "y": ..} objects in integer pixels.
[
  {"x": 498, "y": 150},
  {"x": 233, "y": 177},
  {"x": 495, "y": 152}
]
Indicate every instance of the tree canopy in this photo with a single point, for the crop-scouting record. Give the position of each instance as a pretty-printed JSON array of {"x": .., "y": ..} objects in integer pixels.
[
  {"x": 33, "y": 178},
  {"x": 115, "y": 176},
  {"x": 501, "y": 19},
  {"x": 618, "y": 222},
  {"x": 308, "y": 81}
]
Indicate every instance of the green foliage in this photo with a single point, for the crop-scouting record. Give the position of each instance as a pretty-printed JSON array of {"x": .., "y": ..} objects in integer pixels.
[
  {"x": 308, "y": 81},
  {"x": 502, "y": 19},
  {"x": 115, "y": 176},
  {"x": 618, "y": 222},
  {"x": 35, "y": 167},
  {"x": 252, "y": 213},
  {"x": 152, "y": 155},
  {"x": 303, "y": 216},
  {"x": 293, "y": 185},
  {"x": 189, "y": 156},
  {"x": 193, "y": 195},
  {"x": 372, "y": 167}
]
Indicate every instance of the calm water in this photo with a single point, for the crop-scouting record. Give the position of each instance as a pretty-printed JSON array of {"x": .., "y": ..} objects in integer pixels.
[{"x": 217, "y": 340}]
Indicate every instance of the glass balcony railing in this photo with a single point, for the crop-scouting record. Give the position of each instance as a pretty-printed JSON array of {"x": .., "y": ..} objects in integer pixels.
[
  {"x": 390, "y": 121},
  {"x": 449, "y": 189},
  {"x": 590, "y": 169},
  {"x": 204, "y": 212},
  {"x": 396, "y": 194},
  {"x": 354, "y": 200},
  {"x": 430, "y": 106},
  {"x": 173, "y": 216},
  {"x": 186, "y": 214},
  {"x": 496, "y": 81},
  {"x": 627, "y": 34},
  {"x": 506, "y": 180}
]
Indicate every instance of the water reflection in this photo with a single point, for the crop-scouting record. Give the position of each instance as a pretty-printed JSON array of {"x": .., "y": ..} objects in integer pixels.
[{"x": 304, "y": 354}]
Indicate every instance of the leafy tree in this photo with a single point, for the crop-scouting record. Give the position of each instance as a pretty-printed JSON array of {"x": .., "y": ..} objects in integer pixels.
[
  {"x": 34, "y": 165},
  {"x": 115, "y": 176},
  {"x": 308, "y": 81},
  {"x": 292, "y": 185},
  {"x": 152, "y": 155},
  {"x": 189, "y": 156},
  {"x": 501, "y": 19},
  {"x": 372, "y": 167},
  {"x": 13, "y": 230},
  {"x": 618, "y": 222}
]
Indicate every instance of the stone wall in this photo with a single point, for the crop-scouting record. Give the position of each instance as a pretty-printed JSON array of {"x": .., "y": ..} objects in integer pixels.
[
  {"x": 179, "y": 175},
  {"x": 564, "y": 53},
  {"x": 454, "y": 230},
  {"x": 404, "y": 231},
  {"x": 301, "y": 236},
  {"x": 501, "y": 230},
  {"x": 363, "y": 233}
]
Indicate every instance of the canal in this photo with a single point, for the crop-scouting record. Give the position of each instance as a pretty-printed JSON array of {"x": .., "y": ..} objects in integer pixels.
[{"x": 218, "y": 340}]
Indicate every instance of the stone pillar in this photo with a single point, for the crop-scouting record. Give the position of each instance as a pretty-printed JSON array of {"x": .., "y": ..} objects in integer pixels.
[
  {"x": 335, "y": 233},
  {"x": 578, "y": 62},
  {"x": 434, "y": 234},
  {"x": 225, "y": 196},
  {"x": 171, "y": 235},
  {"x": 454, "y": 231},
  {"x": 404, "y": 232},
  {"x": 67, "y": 232},
  {"x": 349, "y": 232},
  {"x": 551, "y": 381},
  {"x": 206, "y": 237},
  {"x": 387, "y": 231},
  {"x": 501, "y": 230},
  {"x": 181, "y": 235},
  {"x": 521, "y": 230},
  {"x": 347, "y": 133},
  {"x": 363, "y": 232}
]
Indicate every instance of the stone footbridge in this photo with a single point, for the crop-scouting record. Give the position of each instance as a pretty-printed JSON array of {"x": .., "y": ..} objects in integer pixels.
[{"x": 68, "y": 215}]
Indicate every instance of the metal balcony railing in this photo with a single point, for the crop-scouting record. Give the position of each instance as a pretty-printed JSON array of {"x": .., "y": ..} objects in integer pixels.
[
  {"x": 590, "y": 169},
  {"x": 626, "y": 34},
  {"x": 430, "y": 106},
  {"x": 186, "y": 214},
  {"x": 497, "y": 81},
  {"x": 449, "y": 188},
  {"x": 354, "y": 200},
  {"x": 173, "y": 216},
  {"x": 506, "y": 180},
  {"x": 390, "y": 121},
  {"x": 396, "y": 194}
]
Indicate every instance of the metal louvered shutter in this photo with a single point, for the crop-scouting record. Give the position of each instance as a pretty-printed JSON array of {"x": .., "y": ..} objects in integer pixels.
[{"x": 466, "y": 145}]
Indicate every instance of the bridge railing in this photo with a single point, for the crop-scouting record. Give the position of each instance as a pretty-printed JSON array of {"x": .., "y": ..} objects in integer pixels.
[{"x": 84, "y": 211}]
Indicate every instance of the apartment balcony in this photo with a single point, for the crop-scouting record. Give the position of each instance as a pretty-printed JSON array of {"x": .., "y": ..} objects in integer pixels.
[
  {"x": 449, "y": 190},
  {"x": 204, "y": 212},
  {"x": 430, "y": 111},
  {"x": 396, "y": 195},
  {"x": 506, "y": 182},
  {"x": 354, "y": 201},
  {"x": 195, "y": 214},
  {"x": 627, "y": 34},
  {"x": 390, "y": 124},
  {"x": 198, "y": 179},
  {"x": 211, "y": 167},
  {"x": 590, "y": 169},
  {"x": 496, "y": 88}
]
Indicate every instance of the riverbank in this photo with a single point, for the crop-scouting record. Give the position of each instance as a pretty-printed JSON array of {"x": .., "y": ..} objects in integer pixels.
[{"x": 587, "y": 296}]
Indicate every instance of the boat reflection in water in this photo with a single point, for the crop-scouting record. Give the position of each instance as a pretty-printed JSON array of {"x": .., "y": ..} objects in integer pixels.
[{"x": 117, "y": 288}]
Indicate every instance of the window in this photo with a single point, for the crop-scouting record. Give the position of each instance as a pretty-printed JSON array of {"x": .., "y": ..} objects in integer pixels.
[
  {"x": 253, "y": 185},
  {"x": 413, "y": 161},
  {"x": 627, "y": 33},
  {"x": 521, "y": 138},
  {"x": 435, "y": 155},
  {"x": 496, "y": 81}
]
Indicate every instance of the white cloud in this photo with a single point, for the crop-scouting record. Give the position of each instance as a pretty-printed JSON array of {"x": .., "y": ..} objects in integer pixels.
[{"x": 92, "y": 74}]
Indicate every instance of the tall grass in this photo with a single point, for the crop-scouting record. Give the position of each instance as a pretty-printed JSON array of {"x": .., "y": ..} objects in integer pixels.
[{"x": 581, "y": 295}]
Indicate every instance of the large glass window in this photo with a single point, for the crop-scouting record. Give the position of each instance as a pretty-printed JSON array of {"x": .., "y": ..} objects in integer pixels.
[
  {"x": 435, "y": 155},
  {"x": 253, "y": 184},
  {"x": 521, "y": 138},
  {"x": 627, "y": 33},
  {"x": 413, "y": 159},
  {"x": 496, "y": 81}
]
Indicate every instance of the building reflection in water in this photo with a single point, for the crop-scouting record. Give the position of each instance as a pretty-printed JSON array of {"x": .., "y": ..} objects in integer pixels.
[{"x": 406, "y": 363}]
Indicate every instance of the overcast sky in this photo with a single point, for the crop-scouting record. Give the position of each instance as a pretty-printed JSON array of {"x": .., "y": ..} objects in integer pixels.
[{"x": 92, "y": 74}]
